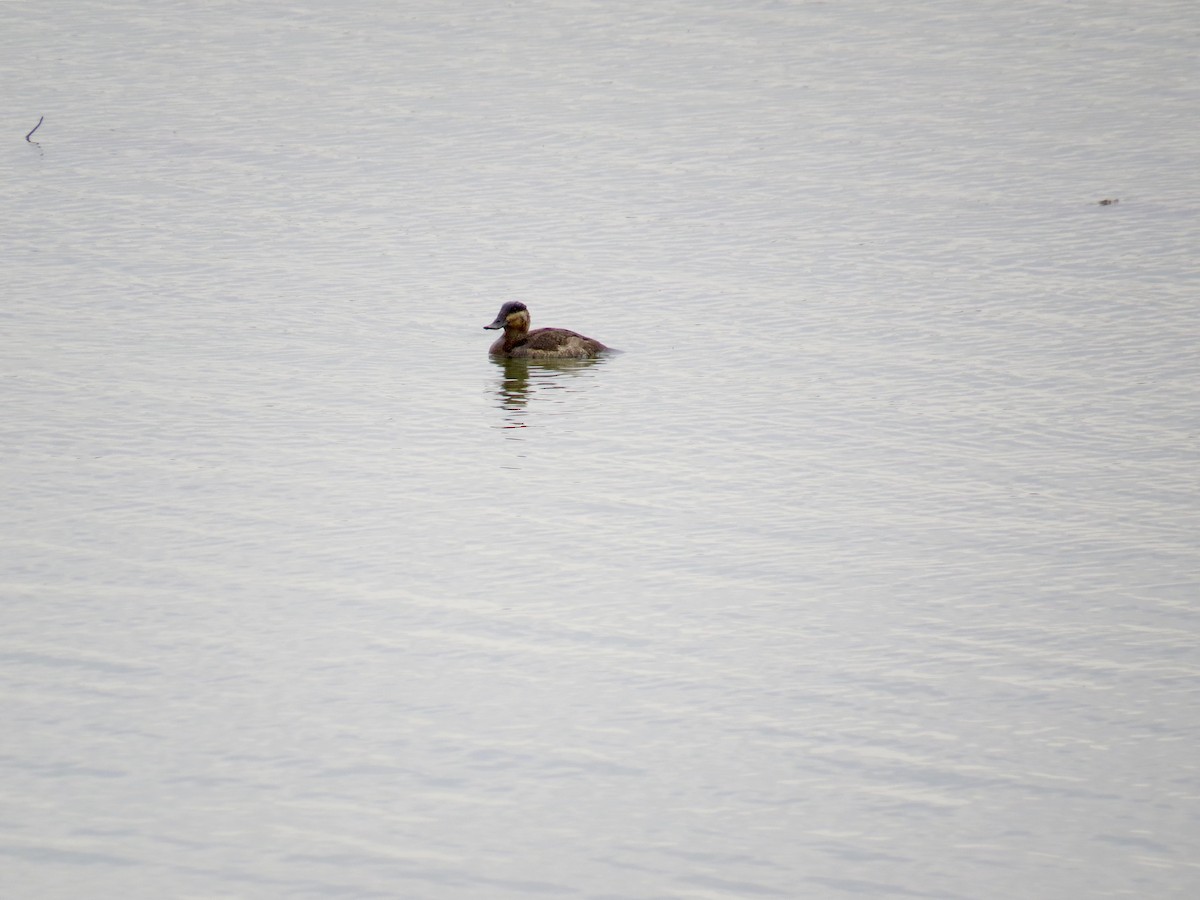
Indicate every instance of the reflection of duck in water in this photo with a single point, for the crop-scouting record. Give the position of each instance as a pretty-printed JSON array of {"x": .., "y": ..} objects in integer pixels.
[
  {"x": 513, "y": 391},
  {"x": 524, "y": 381},
  {"x": 519, "y": 342}
]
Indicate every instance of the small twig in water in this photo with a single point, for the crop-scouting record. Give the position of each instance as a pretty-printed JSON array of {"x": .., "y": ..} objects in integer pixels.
[{"x": 35, "y": 128}]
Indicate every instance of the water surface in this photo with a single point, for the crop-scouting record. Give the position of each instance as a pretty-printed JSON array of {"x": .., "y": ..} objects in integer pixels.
[{"x": 869, "y": 569}]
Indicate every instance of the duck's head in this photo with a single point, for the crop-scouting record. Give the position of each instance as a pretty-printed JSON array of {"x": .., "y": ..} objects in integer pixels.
[{"x": 513, "y": 314}]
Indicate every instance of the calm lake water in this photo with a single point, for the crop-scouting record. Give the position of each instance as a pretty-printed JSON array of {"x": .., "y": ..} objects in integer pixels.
[{"x": 870, "y": 568}]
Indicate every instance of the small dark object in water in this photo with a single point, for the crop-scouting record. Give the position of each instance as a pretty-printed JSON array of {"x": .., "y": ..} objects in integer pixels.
[
  {"x": 35, "y": 128},
  {"x": 518, "y": 342},
  {"x": 1112, "y": 202}
]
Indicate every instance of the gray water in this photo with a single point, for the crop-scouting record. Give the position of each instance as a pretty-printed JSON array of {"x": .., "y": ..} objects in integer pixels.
[{"x": 868, "y": 569}]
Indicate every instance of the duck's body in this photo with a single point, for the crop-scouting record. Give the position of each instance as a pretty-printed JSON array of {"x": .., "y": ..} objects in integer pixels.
[{"x": 518, "y": 342}]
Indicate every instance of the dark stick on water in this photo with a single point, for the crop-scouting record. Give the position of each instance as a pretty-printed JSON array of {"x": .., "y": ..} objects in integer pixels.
[{"x": 35, "y": 128}]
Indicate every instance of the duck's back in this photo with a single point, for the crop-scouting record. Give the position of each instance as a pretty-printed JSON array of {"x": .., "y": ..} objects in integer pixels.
[{"x": 556, "y": 343}]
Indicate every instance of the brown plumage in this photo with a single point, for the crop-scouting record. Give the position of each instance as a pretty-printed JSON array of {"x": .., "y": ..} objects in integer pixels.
[{"x": 518, "y": 342}]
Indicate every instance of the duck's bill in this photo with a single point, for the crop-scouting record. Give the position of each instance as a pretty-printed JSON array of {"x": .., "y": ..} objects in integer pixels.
[{"x": 495, "y": 326}]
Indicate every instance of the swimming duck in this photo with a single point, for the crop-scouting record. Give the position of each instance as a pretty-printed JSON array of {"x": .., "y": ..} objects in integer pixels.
[{"x": 519, "y": 342}]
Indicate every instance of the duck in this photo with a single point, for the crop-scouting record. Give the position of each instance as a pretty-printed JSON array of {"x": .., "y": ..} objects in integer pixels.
[{"x": 518, "y": 342}]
